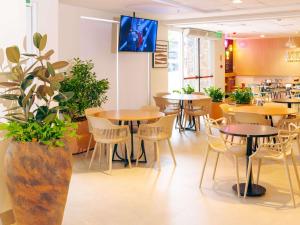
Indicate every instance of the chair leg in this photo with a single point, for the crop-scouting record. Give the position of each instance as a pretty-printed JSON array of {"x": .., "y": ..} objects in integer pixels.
[
  {"x": 100, "y": 153},
  {"x": 93, "y": 156},
  {"x": 237, "y": 176},
  {"x": 155, "y": 153},
  {"x": 204, "y": 166},
  {"x": 138, "y": 151},
  {"x": 110, "y": 157},
  {"x": 248, "y": 177},
  {"x": 89, "y": 145},
  {"x": 296, "y": 170},
  {"x": 158, "y": 155},
  {"x": 290, "y": 181},
  {"x": 216, "y": 164},
  {"x": 258, "y": 171},
  {"x": 185, "y": 120},
  {"x": 128, "y": 155},
  {"x": 298, "y": 143},
  {"x": 196, "y": 123},
  {"x": 172, "y": 152}
]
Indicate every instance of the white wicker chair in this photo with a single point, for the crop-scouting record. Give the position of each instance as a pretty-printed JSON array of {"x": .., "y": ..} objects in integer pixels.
[{"x": 106, "y": 133}]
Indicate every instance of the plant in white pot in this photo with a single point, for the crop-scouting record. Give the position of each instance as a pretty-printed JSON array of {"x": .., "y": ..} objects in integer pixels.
[{"x": 37, "y": 163}]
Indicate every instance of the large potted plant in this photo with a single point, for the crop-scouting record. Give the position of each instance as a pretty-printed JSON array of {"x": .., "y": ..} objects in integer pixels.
[
  {"x": 242, "y": 96},
  {"x": 88, "y": 92},
  {"x": 37, "y": 163},
  {"x": 217, "y": 96}
]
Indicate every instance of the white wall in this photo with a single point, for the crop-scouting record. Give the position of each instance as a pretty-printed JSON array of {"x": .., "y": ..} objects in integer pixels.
[
  {"x": 219, "y": 63},
  {"x": 92, "y": 40},
  {"x": 12, "y": 32}
]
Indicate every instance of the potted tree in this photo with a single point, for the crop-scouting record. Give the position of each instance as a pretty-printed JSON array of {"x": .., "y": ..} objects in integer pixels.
[
  {"x": 37, "y": 163},
  {"x": 88, "y": 92},
  {"x": 217, "y": 96},
  {"x": 242, "y": 96}
]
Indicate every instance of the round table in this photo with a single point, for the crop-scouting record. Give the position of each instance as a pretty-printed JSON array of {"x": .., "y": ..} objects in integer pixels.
[
  {"x": 182, "y": 98},
  {"x": 129, "y": 116},
  {"x": 249, "y": 131},
  {"x": 262, "y": 110},
  {"x": 288, "y": 101}
]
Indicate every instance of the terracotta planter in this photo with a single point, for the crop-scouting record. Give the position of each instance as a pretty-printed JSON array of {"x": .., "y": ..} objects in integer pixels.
[
  {"x": 81, "y": 142},
  {"x": 216, "y": 111},
  {"x": 38, "y": 181}
]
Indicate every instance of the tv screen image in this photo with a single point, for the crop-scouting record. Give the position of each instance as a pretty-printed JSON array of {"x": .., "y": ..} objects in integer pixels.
[{"x": 137, "y": 34}]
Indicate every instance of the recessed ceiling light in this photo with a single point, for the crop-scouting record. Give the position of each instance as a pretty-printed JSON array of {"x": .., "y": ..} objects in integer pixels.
[{"x": 237, "y": 1}]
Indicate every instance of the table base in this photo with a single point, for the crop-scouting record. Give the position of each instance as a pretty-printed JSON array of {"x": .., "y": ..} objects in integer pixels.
[{"x": 254, "y": 191}]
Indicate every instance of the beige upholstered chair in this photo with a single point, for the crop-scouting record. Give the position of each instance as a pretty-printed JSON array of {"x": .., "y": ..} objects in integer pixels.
[
  {"x": 197, "y": 109},
  {"x": 160, "y": 94},
  {"x": 155, "y": 133},
  {"x": 90, "y": 112},
  {"x": 281, "y": 151},
  {"x": 218, "y": 144},
  {"x": 106, "y": 133}
]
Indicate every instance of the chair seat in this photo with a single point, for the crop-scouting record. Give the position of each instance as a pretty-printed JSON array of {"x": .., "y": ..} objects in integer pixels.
[
  {"x": 159, "y": 137},
  {"x": 110, "y": 141},
  {"x": 171, "y": 111},
  {"x": 268, "y": 153}
]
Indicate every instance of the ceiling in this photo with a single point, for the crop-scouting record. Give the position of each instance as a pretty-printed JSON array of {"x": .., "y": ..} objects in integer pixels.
[{"x": 251, "y": 18}]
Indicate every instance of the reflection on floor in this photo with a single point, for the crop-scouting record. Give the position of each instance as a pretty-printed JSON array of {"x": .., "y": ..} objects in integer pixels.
[{"x": 145, "y": 196}]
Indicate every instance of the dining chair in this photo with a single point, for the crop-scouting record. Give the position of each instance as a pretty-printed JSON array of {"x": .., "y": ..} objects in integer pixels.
[
  {"x": 155, "y": 133},
  {"x": 226, "y": 113},
  {"x": 107, "y": 134},
  {"x": 90, "y": 112},
  {"x": 279, "y": 152},
  {"x": 220, "y": 145},
  {"x": 160, "y": 94},
  {"x": 197, "y": 109},
  {"x": 291, "y": 125},
  {"x": 251, "y": 118}
]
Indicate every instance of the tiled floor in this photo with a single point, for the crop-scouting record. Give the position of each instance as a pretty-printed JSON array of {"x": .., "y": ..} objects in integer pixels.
[{"x": 145, "y": 196}]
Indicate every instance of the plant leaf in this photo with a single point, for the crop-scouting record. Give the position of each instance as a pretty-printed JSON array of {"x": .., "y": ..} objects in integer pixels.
[
  {"x": 9, "y": 84},
  {"x": 27, "y": 82},
  {"x": 13, "y": 54},
  {"x": 43, "y": 42},
  {"x": 50, "y": 118},
  {"x": 50, "y": 69},
  {"x": 30, "y": 93},
  {"x": 48, "y": 54},
  {"x": 29, "y": 54},
  {"x": 12, "y": 109},
  {"x": 63, "y": 97},
  {"x": 10, "y": 96},
  {"x": 59, "y": 65},
  {"x": 37, "y": 39}
]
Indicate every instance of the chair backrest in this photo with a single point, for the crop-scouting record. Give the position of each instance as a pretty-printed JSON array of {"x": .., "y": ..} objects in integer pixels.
[
  {"x": 160, "y": 94},
  {"x": 166, "y": 123},
  {"x": 284, "y": 123},
  {"x": 225, "y": 108},
  {"x": 203, "y": 105},
  {"x": 251, "y": 118},
  {"x": 161, "y": 103},
  {"x": 150, "y": 108},
  {"x": 99, "y": 123},
  {"x": 92, "y": 111},
  {"x": 214, "y": 137}
]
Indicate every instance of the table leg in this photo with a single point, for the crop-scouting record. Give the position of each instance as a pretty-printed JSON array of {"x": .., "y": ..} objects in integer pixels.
[
  {"x": 289, "y": 105},
  {"x": 254, "y": 190}
]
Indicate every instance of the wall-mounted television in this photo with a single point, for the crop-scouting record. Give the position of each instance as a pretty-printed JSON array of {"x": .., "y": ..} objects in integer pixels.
[{"x": 137, "y": 34}]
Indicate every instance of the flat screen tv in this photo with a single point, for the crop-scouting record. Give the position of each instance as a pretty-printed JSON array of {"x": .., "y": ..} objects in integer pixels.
[{"x": 137, "y": 34}]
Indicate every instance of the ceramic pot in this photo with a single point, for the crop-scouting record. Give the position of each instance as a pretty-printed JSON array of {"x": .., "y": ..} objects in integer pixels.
[
  {"x": 216, "y": 111},
  {"x": 38, "y": 180},
  {"x": 80, "y": 143}
]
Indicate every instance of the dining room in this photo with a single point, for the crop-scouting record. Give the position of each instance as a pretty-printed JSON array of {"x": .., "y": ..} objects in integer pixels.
[{"x": 142, "y": 112}]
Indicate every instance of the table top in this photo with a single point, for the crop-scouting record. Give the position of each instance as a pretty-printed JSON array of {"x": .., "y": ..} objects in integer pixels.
[
  {"x": 287, "y": 100},
  {"x": 262, "y": 110},
  {"x": 249, "y": 130},
  {"x": 185, "y": 97},
  {"x": 129, "y": 115}
]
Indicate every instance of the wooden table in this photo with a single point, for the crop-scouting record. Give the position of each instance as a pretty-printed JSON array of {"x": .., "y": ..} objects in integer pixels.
[
  {"x": 263, "y": 110},
  {"x": 185, "y": 97},
  {"x": 129, "y": 116},
  {"x": 288, "y": 101},
  {"x": 250, "y": 131}
]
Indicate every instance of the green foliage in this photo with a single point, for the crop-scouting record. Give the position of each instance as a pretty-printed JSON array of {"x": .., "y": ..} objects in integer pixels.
[
  {"x": 216, "y": 94},
  {"x": 88, "y": 91},
  {"x": 242, "y": 96},
  {"x": 49, "y": 133},
  {"x": 30, "y": 119},
  {"x": 188, "y": 89}
]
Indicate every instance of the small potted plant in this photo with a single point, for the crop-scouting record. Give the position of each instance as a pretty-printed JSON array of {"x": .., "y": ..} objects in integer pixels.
[
  {"x": 88, "y": 92},
  {"x": 37, "y": 162},
  {"x": 188, "y": 89},
  {"x": 242, "y": 96},
  {"x": 217, "y": 96}
]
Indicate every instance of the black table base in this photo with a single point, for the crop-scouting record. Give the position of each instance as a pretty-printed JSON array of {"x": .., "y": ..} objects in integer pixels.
[{"x": 254, "y": 190}]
